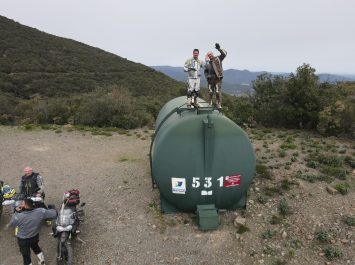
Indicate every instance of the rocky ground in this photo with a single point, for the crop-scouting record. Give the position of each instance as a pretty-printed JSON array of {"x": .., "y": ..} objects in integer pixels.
[{"x": 294, "y": 216}]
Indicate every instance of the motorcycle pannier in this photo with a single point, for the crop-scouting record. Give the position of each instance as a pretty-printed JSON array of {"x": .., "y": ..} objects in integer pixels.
[{"x": 72, "y": 197}]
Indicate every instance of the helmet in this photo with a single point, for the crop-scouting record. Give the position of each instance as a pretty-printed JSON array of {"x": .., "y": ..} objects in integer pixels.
[{"x": 8, "y": 192}]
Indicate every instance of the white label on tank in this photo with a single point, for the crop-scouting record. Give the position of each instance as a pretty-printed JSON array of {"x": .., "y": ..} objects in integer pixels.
[
  {"x": 178, "y": 185},
  {"x": 206, "y": 192}
]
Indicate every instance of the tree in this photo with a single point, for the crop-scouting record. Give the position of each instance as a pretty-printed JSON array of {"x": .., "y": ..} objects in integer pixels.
[
  {"x": 269, "y": 99},
  {"x": 302, "y": 98}
]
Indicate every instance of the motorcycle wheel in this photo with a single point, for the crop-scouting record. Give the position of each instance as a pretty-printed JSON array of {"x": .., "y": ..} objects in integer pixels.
[{"x": 67, "y": 254}]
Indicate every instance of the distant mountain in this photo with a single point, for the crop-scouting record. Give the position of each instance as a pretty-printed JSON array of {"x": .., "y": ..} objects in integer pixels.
[
  {"x": 335, "y": 78},
  {"x": 234, "y": 81},
  {"x": 240, "y": 81},
  {"x": 33, "y": 62}
]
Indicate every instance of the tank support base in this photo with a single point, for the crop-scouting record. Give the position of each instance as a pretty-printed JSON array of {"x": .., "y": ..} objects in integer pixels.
[
  {"x": 241, "y": 204},
  {"x": 207, "y": 217},
  {"x": 167, "y": 207}
]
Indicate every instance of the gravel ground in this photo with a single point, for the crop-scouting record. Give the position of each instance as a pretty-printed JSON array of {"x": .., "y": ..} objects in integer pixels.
[{"x": 123, "y": 223}]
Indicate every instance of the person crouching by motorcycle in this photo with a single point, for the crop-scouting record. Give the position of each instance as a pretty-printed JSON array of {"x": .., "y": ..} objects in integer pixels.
[{"x": 28, "y": 220}]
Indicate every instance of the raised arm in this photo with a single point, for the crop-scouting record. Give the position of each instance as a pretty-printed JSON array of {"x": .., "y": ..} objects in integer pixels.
[{"x": 222, "y": 51}]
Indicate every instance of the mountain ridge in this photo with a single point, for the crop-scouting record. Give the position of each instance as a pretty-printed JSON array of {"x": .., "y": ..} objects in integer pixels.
[
  {"x": 240, "y": 81},
  {"x": 33, "y": 62}
]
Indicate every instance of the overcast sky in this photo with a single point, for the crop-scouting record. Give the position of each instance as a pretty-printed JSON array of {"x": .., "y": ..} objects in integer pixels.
[{"x": 271, "y": 35}]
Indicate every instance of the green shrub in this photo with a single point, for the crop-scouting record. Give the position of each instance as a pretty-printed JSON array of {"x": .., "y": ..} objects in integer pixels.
[
  {"x": 350, "y": 220},
  {"x": 270, "y": 191},
  {"x": 349, "y": 161},
  {"x": 337, "y": 172},
  {"x": 330, "y": 160},
  {"x": 262, "y": 199},
  {"x": 46, "y": 127},
  {"x": 282, "y": 153},
  {"x": 293, "y": 159},
  {"x": 29, "y": 127},
  {"x": 343, "y": 188},
  {"x": 312, "y": 164},
  {"x": 313, "y": 178},
  {"x": 268, "y": 234},
  {"x": 288, "y": 146},
  {"x": 275, "y": 220},
  {"x": 323, "y": 236},
  {"x": 332, "y": 253},
  {"x": 284, "y": 208},
  {"x": 286, "y": 184},
  {"x": 263, "y": 171}
]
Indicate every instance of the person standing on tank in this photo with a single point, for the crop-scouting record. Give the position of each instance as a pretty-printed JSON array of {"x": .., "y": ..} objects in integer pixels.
[
  {"x": 192, "y": 68},
  {"x": 214, "y": 75}
]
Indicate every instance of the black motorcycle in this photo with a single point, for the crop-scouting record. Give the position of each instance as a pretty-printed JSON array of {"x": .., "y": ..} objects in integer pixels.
[{"x": 65, "y": 229}]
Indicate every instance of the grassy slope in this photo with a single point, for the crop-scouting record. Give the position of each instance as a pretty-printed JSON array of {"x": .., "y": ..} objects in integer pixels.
[{"x": 34, "y": 62}]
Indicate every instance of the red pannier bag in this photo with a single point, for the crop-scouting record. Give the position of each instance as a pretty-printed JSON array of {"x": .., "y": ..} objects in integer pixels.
[{"x": 72, "y": 197}]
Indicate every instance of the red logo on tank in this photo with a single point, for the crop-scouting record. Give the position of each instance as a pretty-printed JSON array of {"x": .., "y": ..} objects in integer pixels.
[{"x": 232, "y": 181}]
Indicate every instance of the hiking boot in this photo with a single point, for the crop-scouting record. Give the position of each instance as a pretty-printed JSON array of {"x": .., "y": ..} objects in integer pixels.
[
  {"x": 41, "y": 258},
  {"x": 188, "y": 104}
]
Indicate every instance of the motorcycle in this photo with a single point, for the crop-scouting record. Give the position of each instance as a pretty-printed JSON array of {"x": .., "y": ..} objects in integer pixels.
[
  {"x": 1, "y": 197},
  {"x": 65, "y": 229},
  {"x": 7, "y": 196}
]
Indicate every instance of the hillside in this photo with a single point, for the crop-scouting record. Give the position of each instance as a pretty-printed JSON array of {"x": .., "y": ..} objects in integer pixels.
[{"x": 34, "y": 62}]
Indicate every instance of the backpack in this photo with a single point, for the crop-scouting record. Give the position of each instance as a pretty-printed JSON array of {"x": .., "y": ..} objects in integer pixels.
[{"x": 72, "y": 197}]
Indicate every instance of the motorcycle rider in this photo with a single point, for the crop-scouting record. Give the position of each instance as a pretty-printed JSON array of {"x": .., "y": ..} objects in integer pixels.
[
  {"x": 192, "y": 67},
  {"x": 214, "y": 75},
  {"x": 31, "y": 184},
  {"x": 28, "y": 219}
]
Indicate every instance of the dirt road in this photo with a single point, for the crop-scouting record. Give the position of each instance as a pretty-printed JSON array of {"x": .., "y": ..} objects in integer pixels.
[{"x": 123, "y": 223}]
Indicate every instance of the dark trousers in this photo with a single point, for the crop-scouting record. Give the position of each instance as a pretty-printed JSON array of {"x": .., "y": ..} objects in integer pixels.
[{"x": 25, "y": 248}]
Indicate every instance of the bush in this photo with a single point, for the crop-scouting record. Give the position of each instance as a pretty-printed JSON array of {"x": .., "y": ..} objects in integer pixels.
[
  {"x": 350, "y": 220},
  {"x": 343, "y": 188},
  {"x": 262, "y": 199},
  {"x": 282, "y": 153},
  {"x": 268, "y": 234},
  {"x": 332, "y": 253},
  {"x": 330, "y": 160},
  {"x": 337, "y": 172},
  {"x": 284, "y": 208},
  {"x": 313, "y": 178},
  {"x": 263, "y": 171},
  {"x": 323, "y": 236},
  {"x": 312, "y": 164},
  {"x": 288, "y": 146},
  {"x": 350, "y": 161}
]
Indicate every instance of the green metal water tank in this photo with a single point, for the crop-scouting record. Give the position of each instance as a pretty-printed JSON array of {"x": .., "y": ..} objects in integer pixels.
[{"x": 200, "y": 157}]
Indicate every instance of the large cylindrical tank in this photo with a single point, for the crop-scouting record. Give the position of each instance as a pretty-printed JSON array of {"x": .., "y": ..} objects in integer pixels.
[{"x": 200, "y": 157}]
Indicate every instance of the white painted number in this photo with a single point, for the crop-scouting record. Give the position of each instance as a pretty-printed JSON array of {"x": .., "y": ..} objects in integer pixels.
[
  {"x": 195, "y": 182},
  {"x": 208, "y": 183},
  {"x": 221, "y": 181}
]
